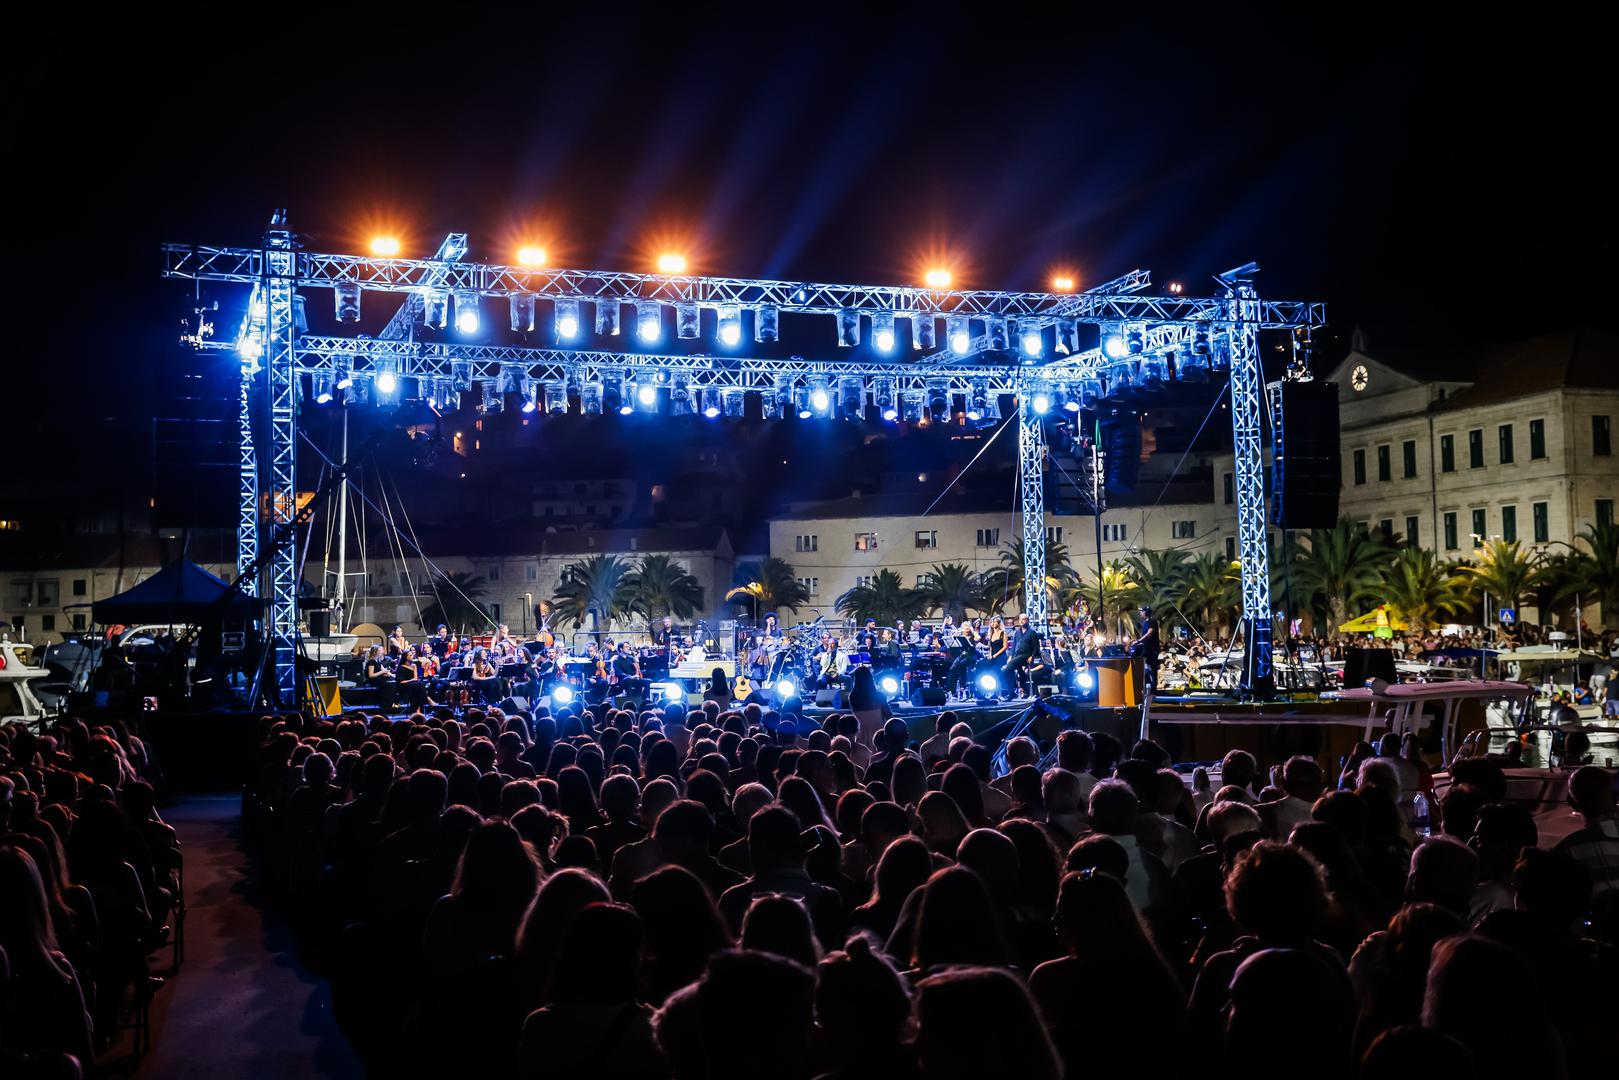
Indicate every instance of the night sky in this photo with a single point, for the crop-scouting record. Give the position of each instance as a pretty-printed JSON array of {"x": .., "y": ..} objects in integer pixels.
[{"x": 1436, "y": 181}]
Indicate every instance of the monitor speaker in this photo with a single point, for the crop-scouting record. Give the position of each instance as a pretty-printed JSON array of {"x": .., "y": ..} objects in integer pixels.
[
  {"x": 1121, "y": 438},
  {"x": 1363, "y": 664},
  {"x": 928, "y": 695}
]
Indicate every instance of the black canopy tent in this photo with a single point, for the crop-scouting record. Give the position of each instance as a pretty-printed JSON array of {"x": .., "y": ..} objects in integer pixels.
[{"x": 180, "y": 593}]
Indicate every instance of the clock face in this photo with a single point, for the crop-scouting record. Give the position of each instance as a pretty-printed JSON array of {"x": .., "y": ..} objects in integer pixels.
[{"x": 1359, "y": 377}]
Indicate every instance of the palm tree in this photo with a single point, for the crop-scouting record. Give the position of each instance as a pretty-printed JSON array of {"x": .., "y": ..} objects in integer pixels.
[
  {"x": 594, "y": 586},
  {"x": 1157, "y": 574},
  {"x": 1420, "y": 587},
  {"x": 769, "y": 585},
  {"x": 885, "y": 599},
  {"x": 1004, "y": 582},
  {"x": 954, "y": 588},
  {"x": 1506, "y": 571},
  {"x": 1343, "y": 567},
  {"x": 455, "y": 603},
  {"x": 1210, "y": 590},
  {"x": 1594, "y": 573},
  {"x": 660, "y": 586},
  {"x": 1284, "y": 558},
  {"x": 1120, "y": 594}
]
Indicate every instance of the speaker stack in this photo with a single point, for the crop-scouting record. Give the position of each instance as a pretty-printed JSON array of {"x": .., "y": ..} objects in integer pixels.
[{"x": 1307, "y": 470}]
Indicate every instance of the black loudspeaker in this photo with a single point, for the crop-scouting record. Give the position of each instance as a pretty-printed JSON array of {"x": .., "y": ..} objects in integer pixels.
[
  {"x": 826, "y": 698},
  {"x": 1363, "y": 664},
  {"x": 1307, "y": 468},
  {"x": 320, "y": 623},
  {"x": 929, "y": 695},
  {"x": 1121, "y": 440},
  {"x": 514, "y": 704}
]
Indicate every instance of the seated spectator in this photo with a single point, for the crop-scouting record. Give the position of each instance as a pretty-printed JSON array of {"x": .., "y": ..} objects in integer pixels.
[
  {"x": 776, "y": 849},
  {"x": 953, "y": 1010}
]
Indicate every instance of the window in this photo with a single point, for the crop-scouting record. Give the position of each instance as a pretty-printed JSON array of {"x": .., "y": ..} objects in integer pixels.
[
  {"x": 531, "y": 571},
  {"x": 22, "y": 593},
  {"x": 1447, "y": 453},
  {"x": 1360, "y": 466},
  {"x": 1385, "y": 471},
  {"x": 78, "y": 586},
  {"x": 1503, "y": 435},
  {"x": 1450, "y": 531},
  {"x": 1509, "y": 523},
  {"x": 926, "y": 581},
  {"x": 1054, "y": 534},
  {"x": 866, "y": 541},
  {"x": 50, "y": 593},
  {"x": 1411, "y": 531},
  {"x": 47, "y": 623},
  {"x": 1604, "y": 510},
  {"x": 494, "y": 572},
  {"x": 494, "y": 612},
  {"x": 1386, "y": 526},
  {"x": 812, "y": 585},
  {"x": 1537, "y": 440},
  {"x": 1113, "y": 532},
  {"x": 806, "y": 542},
  {"x": 927, "y": 538},
  {"x": 1601, "y": 436},
  {"x": 1231, "y": 547},
  {"x": 864, "y": 581},
  {"x": 78, "y": 620},
  {"x": 1475, "y": 448},
  {"x": 1183, "y": 530},
  {"x": 1480, "y": 527},
  {"x": 1543, "y": 531},
  {"x": 1408, "y": 458},
  {"x": 1230, "y": 489},
  {"x": 988, "y": 538}
]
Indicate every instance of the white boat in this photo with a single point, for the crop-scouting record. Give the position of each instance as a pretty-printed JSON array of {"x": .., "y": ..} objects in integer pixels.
[{"x": 18, "y": 703}]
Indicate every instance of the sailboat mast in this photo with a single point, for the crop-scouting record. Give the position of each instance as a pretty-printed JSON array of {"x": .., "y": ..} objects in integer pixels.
[{"x": 340, "y": 607}]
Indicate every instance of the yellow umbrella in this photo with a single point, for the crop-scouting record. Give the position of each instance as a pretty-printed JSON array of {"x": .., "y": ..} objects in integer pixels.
[{"x": 1377, "y": 621}]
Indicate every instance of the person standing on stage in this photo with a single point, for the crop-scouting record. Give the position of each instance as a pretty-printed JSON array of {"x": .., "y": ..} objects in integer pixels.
[
  {"x": 665, "y": 638},
  {"x": 1146, "y": 646}
]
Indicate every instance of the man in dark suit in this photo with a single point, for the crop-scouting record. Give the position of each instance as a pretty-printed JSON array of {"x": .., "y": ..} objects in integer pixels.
[{"x": 1024, "y": 649}]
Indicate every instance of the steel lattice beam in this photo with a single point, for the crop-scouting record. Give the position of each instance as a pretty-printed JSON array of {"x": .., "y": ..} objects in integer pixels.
[
  {"x": 1247, "y": 396},
  {"x": 1032, "y": 508},
  {"x": 281, "y": 380}
]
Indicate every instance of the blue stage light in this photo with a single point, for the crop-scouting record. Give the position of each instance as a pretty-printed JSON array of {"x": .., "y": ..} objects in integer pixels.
[
  {"x": 670, "y": 691},
  {"x": 647, "y": 395},
  {"x": 888, "y": 685},
  {"x": 249, "y": 350},
  {"x": 1085, "y": 679},
  {"x": 820, "y": 400},
  {"x": 466, "y": 312},
  {"x": 785, "y": 689},
  {"x": 1033, "y": 343},
  {"x": 1115, "y": 346},
  {"x": 958, "y": 332},
  {"x": 1040, "y": 403},
  {"x": 730, "y": 326},
  {"x": 387, "y": 382},
  {"x": 561, "y": 694},
  {"x": 320, "y": 383},
  {"x": 988, "y": 683},
  {"x": 566, "y": 312},
  {"x": 882, "y": 331},
  {"x": 648, "y": 322}
]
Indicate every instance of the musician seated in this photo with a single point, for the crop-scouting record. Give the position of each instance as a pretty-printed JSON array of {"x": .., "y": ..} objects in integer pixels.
[
  {"x": 379, "y": 677},
  {"x": 831, "y": 665},
  {"x": 486, "y": 680},
  {"x": 408, "y": 680},
  {"x": 627, "y": 673},
  {"x": 1021, "y": 651}
]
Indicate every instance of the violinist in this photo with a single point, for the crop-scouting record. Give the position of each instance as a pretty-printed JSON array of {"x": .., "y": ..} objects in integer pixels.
[
  {"x": 398, "y": 644},
  {"x": 408, "y": 679},
  {"x": 627, "y": 672},
  {"x": 485, "y": 676},
  {"x": 379, "y": 677}
]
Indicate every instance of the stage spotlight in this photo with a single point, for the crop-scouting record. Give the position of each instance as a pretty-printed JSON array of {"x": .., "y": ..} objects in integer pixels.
[
  {"x": 988, "y": 684},
  {"x": 766, "y": 324},
  {"x": 1040, "y": 402},
  {"x": 778, "y": 403},
  {"x": 626, "y": 394},
  {"x": 730, "y": 319},
  {"x": 342, "y": 371},
  {"x": 466, "y": 312},
  {"x": 848, "y": 328},
  {"x": 561, "y": 694},
  {"x": 648, "y": 321},
  {"x": 526, "y": 391},
  {"x": 786, "y": 689},
  {"x": 461, "y": 375},
  {"x": 923, "y": 330},
  {"x": 995, "y": 333},
  {"x": 680, "y": 396},
  {"x": 1070, "y": 398},
  {"x": 1062, "y": 283},
  {"x": 671, "y": 264},
  {"x": 733, "y": 403},
  {"x": 1135, "y": 340},
  {"x": 346, "y": 294},
  {"x": 1176, "y": 288},
  {"x": 1085, "y": 680},
  {"x": 914, "y": 403},
  {"x": 565, "y": 317},
  {"x": 882, "y": 330},
  {"x": 669, "y": 691},
  {"x": 1090, "y": 392},
  {"x": 493, "y": 400},
  {"x": 320, "y": 387},
  {"x": 531, "y": 256},
  {"x": 359, "y": 391},
  {"x": 1033, "y": 341},
  {"x": 441, "y": 396},
  {"x": 938, "y": 398},
  {"x": 300, "y": 314},
  {"x": 801, "y": 403},
  {"x": 522, "y": 311},
  {"x": 820, "y": 397},
  {"x": 435, "y": 310},
  {"x": 590, "y": 398},
  {"x": 607, "y": 318},
  {"x": 688, "y": 320},
  {"x": 249, "y": 350},
  {"x": 1200, "y": 342},
  {"x": 386, "y": 378},
  {"x": 1067, "y": 331},
  {"x": 1114, "y": 346},
  {"x": 385, "y": 246},
  {"x": 646, "y": 396},
  {"x": 887, "y": 399},
  {"x": 978, "y": 399},
  {"x": 937, "y": 278},
  {"x": 958, "y": 331},
  {"x": 852, "y": 397},
  {"x": 556, "y": 396},
  {"x": 713, "y": 402},
  {"x": 888, "y": 685}
]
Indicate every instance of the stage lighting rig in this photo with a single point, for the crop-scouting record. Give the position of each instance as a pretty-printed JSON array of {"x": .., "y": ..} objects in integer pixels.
[
  {"x": 848, "y": 328},
  {"x": 923, "y": 331},
  {"x": 607, "y": 318},
  {"x": 882, "y": 331},
  {"x": 346, "y": 297},
  {"x": 648, "y": 321},
  {"x": 767, "y": 324},
  {"x": 730, "y": 326},
  {"x": 467, "y": 316},
  {"x": 565, "y": 317},
  {"x": 522, "y": 311},
  {"x": 688, "y": 320}
]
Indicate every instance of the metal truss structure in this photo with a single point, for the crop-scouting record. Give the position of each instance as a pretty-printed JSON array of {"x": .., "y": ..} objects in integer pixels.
[{"x": 1203, "y": 334}]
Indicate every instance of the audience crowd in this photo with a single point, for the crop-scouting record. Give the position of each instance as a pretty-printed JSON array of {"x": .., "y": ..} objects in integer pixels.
[{"x": 720, "y": 894}]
